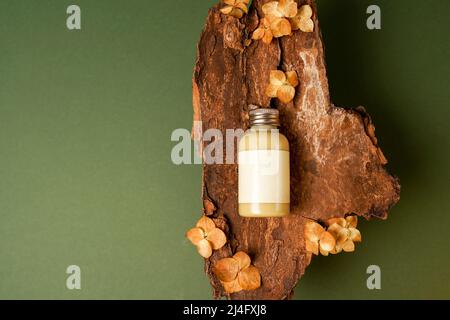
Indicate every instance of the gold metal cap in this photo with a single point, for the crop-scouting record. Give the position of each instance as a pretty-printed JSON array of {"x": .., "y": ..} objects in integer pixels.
[{"x": 264, "y": 117}]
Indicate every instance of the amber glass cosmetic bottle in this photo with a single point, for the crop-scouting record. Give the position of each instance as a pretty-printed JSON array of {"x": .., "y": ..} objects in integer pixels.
[{"x": 264, "y": 188}]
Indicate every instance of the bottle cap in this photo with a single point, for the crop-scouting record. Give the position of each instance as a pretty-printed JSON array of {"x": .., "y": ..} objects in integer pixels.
[{"x": 264, "y": 117}]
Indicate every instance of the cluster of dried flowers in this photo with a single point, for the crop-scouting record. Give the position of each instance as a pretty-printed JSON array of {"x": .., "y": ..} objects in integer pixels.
[
  {"x": 340, "y": 235},
  {"x": 235, "y": 273},
  {"x": 235, "y": 8},
  {"x": 282, "y": 85},
  {"x": 281, "y": 18}
]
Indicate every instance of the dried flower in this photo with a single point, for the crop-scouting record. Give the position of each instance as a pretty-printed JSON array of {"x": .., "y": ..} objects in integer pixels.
[
  {"x": 345, "y": 232},
  {"x": 280, "y": 9},
  {"x": 302, "y": 21},
  {"x": 237, "y": 273},
  {"x": 317, "y": 239},
  {"x": 282, "y": 85},
  {"x": 263, "y": 32},
  {"x": 278, "y": 13},
  {"x": 207, "y": 237},
  {"x": 209, "y": 207},
  {"x": 235, "y": 8}
]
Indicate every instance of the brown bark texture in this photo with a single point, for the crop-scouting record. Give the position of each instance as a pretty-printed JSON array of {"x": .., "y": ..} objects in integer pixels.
[{"x": 337, "y": 167}]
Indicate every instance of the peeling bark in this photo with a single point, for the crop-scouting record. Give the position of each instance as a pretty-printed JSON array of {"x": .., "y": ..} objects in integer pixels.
[{"x": 337, "y": 167}]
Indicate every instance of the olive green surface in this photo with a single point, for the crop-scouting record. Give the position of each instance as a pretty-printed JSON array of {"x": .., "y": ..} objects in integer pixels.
[{"x": 85, "y": 171}]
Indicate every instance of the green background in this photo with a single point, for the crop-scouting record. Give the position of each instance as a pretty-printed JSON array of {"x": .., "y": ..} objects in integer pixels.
[{"x": 85, "y": 170}]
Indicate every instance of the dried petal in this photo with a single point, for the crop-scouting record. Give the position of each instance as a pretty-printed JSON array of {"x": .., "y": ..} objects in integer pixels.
[
  {"x": 204, "y": 248},
  {"x": 327, "y": 241},
  {"x": 305, "y": 11},
  {"x": 340, "y": 221},
  {"x": 324, "y": 252},
  {"x": 277, "y": 77},
  {"x": 272, "y": 91},
  {"x": 280, "y": 27},
  {"x": 232, "y": 286},
  {"x": 313, "y": 231},
  {"x": 342, "y": 236},
  {"x": 334, "y": 229},
  {"x": 237, "y": 13},
  {"x": 271, "y": 9},
  {"x": 268, "y": 37},
  {"x": 312, "y": 246},
  {"x": 288, "y": 8},
  {"x": 292, "y": 78},
  {"x": 209, "y": 207},
  {"x": 306, "y": 25},
  {"x": 227, "y": 9},
  {"x": 355, "y": 235},
  {"x": 217, "y": 238},
  {"x": 206, "y": 224},
  {"x": 286, "y": 93},
  {"x": 230, "y": 2},
  {"x": 195, "y": 235},
  {"x": 249, "y": 278},
  {"x": 226, "y": 269},
  {"x": 352, "y": 221},
  {"x": 258, "y": 34},
  {"x": 243, "y": 260},
  {"x": 265, "y": 22},
  {"x": 337, "y": 249},
  {"x": 348, "y": 246}
]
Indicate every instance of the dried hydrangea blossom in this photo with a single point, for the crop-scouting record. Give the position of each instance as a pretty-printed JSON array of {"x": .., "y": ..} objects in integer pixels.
[
  {"x": 302, "y": 21},
  {"x": 235, "y": 8},
  {"x": 282, "y": 85},
  {"x": 345, "y": 232},
  {"x": 278, "y": 13},
  {"x": 206, "y": 237},
  {"x": 263, "y": 32},
  {"x": 317, "y": 239},
  {"x": 237, "y": 273},
  {"x": 280, "y": 9}
]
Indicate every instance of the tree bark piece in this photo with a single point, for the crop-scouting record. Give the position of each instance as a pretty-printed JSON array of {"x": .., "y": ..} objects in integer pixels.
[{"x": 337, "y": 167}]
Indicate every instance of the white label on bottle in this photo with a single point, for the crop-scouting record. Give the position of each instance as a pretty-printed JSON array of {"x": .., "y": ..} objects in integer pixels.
[{"x": 264, "y": 176}]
